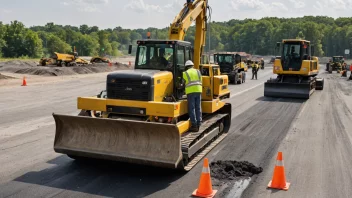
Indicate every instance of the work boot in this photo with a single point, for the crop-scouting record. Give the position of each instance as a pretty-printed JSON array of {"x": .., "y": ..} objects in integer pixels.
[{"x": 194, "y": 129}]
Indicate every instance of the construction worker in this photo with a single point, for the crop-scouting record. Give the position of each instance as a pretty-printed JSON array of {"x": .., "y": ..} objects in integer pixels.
[
  {"x": 344, "y": 70},
  {"x": 262, "y": 63},
  {"x": 193, "y": 85},
  {"x": 255, "y": 69}
]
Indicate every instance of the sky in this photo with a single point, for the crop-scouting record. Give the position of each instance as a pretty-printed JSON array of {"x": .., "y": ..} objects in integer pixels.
[{"x": 134, "y": 14}]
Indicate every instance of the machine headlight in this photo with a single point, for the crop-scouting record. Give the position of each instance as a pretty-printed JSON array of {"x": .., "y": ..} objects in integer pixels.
[
  {"x": 304, "y": 69},
  {"x": 144, "y": 82},
  {"x": 277, "y": 68}
]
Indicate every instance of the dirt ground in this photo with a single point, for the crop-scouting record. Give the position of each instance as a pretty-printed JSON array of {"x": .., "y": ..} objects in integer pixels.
[
  {"x": 2, "y": 76},
  {"x": 32, "y": 68}
]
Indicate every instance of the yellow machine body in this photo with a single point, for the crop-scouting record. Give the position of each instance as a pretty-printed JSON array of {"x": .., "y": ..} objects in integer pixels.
[
  {"x": 296, "y": 71},
  {"x": 142, "y": 116}
]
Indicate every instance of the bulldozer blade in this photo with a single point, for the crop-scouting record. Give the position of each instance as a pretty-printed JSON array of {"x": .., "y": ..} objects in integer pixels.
[
  {"x": 137, "y": 142},
  {"x": 287, "y": 90}
]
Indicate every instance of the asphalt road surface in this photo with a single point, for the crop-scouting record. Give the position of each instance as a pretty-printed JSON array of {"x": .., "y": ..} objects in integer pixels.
[{"x": 314, "y": 136}]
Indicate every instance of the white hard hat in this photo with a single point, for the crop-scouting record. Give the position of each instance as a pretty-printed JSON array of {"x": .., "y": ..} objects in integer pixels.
[{"x": 189, "y": 63}]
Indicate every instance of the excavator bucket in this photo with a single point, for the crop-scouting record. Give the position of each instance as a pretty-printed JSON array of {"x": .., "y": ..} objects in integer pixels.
[
  {"x": 287, "y": 90},
  {"x": 137, "y": 142}
]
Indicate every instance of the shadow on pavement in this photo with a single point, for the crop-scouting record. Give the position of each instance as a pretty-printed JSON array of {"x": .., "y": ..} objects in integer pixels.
[
  {"x": 286, "y": 100},
  {"x": 104, "y": 178}
]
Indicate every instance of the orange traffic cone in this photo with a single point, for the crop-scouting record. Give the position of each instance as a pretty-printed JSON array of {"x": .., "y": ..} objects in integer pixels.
[
  {"x": 24, "y": 82},
  {"x": 279, "y": 180},
  {"x": 110, "y": 64},
  {"x": 205, "y": 188}
]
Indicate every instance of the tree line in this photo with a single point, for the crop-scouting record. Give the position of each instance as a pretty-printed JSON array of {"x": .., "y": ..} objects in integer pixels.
[{"x": 329, "y": 36}]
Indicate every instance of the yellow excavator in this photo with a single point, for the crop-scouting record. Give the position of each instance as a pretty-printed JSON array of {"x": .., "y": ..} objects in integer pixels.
[
  {"x": 296, "y": 71},
  {"x": 142, "y": 115}
]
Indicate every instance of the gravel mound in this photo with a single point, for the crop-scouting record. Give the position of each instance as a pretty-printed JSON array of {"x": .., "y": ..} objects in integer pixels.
[
  {"x": 32, "y": 68},
  {"x": 231, "y": 170},
  {"x": 5, "y": 77}
]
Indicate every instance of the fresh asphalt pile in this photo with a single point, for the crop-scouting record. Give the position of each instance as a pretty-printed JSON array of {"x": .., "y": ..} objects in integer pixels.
[
  {"x": 228, "y": 171},
  {"x": 32, "y": 68}
]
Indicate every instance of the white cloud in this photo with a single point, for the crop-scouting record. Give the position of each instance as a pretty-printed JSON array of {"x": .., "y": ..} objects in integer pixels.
[
  {"x": 86, "y": 5},
  {"x": 247, "y": 4},
  {"x": 141, "y": 6},
  {"x": 318, "y": 6},
  {"x": 278, "y": 5},
  {"x": 337, "y": 5},
  {"x": 298, "y": 4},
  {"x": 175, "y": 5},
  {"x": 5, "y": 11}
]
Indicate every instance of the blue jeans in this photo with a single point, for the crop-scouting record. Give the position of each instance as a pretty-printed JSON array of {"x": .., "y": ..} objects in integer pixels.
[{"x": 194, "y": 108}]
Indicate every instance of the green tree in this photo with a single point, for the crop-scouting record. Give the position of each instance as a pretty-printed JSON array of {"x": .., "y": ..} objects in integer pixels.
[
  {"x": 105, "y": 46},
  {"x": 87, "y": 46},
  {"x": 124, "y": 38},
  {"x": 84, "y": 29},
  {"x": 55, "y": 44},
  {"x": 33, "y": 44},
  {"x": 14, "y": 38},
  {"x": 2, "y": 34}
]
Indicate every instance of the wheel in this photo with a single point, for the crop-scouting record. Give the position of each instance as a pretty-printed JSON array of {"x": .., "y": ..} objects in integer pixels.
[
  {"x": 239, "y": 81},
  {"x": 43, "y": 62},
  {"x": 319, "y": 84},
  {"x": 63, "y": 64},
  {"x": 243, "y": 77}
]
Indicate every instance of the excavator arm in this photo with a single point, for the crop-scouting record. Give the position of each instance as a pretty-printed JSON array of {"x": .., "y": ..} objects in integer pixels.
[{"x": 193, "y": 11}]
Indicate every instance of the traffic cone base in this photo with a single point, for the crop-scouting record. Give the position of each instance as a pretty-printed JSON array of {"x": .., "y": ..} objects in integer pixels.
[
  {"x": 284, "y": 188},
  {"x": 278, "y": 180},
  {"x": 197, "y": 194},
  {"x": 24, "y": 82},
  {"x": 205, "y": 188}
]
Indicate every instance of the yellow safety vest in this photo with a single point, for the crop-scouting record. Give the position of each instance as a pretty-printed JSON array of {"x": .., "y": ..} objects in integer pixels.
[{"x": 193, "y": 79}]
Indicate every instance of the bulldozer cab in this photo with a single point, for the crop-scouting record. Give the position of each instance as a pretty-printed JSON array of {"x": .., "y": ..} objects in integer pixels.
[
  {"x": 164, "y": 55},
  {"x": 226, "y": 61},
  {"x": 337, "y": 59},
  {"x": 293, "y": 53}
]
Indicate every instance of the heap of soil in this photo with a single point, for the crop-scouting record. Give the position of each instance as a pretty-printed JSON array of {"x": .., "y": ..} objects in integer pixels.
[
  {"x": 5, "y": 77},
  {"x": 231, "y": 170},
  {"x": 32, "y": 68},
  {"x": 19, "y": 63}
]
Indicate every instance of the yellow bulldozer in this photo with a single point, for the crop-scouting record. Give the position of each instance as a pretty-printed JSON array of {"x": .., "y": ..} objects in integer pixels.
[
  {"x": 142, "y": 116},
  {"x": 296, "y": 70},
  {"x": 63, "y": 60},
  {"x": 98, "y": 59},
  {"x": 231, "y": 64}
]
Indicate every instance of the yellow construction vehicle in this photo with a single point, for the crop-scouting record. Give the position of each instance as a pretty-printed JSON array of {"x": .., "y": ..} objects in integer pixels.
[
  {"x": 231, "y": 64},
  {"x": 296, "y": 71},
  {"x": 98, "y": 59},
  {"x": 142, "y": 115},
  {"x": 63, "y": 60}
]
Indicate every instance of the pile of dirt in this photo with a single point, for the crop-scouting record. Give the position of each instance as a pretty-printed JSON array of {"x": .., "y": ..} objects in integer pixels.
[
  {"x": 31, "y": 67},
  {"x": 232, "y": 177},
  {"x": 18, "y": 63},
  {"x": 5, "y": 77},
  {"x": 232, "y": 170}
]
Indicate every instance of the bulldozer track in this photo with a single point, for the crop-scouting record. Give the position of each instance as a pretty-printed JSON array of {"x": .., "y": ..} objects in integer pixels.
[{"x": 195, "y": 145}]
